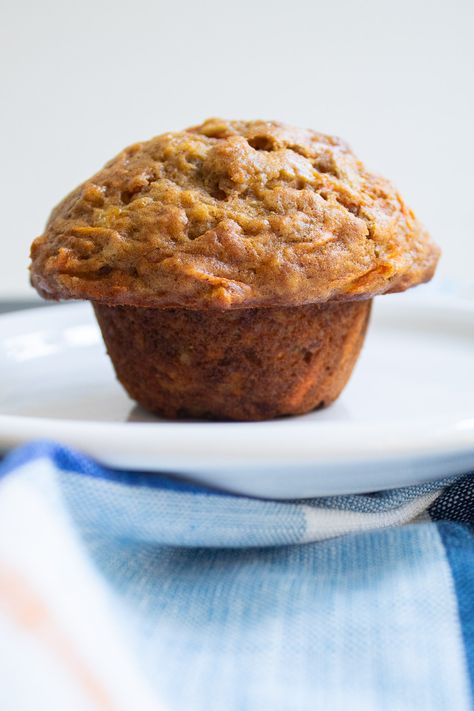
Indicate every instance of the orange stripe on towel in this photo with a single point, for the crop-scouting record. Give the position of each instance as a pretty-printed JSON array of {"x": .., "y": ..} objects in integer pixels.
[{"x": 25, "y": 608}]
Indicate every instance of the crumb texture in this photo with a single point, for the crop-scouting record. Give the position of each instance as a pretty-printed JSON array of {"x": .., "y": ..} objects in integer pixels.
[
  {"x": 240, "y": 364},
  {"x": 232, "y": 214}
]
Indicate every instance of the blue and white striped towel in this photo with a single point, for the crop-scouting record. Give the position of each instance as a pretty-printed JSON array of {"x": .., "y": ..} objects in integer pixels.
[{"x": 137, "y": 592}]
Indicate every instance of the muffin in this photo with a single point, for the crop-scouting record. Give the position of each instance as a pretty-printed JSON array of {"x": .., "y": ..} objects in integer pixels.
[{"x": 232, "y": 266}]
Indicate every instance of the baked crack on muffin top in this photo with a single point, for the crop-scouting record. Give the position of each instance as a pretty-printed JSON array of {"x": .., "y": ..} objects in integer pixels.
[{"x": 232, "y": 214}]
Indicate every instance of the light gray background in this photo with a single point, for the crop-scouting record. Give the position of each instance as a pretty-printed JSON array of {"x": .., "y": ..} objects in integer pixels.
[{"x": 80, "y": 80}]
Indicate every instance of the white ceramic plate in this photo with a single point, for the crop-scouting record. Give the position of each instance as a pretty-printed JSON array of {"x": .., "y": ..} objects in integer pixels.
[{"x": 406, "y": 416}]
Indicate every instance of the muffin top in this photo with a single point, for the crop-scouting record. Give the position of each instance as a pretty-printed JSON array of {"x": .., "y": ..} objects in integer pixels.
[{"x": 232, "y": 214}]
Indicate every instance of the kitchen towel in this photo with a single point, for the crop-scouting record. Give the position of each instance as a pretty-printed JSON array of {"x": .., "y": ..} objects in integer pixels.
[{"x": 132, "y": 592}]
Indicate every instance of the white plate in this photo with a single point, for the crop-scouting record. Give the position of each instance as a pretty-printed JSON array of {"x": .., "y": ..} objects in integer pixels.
[{"x": 406, "y": 416}]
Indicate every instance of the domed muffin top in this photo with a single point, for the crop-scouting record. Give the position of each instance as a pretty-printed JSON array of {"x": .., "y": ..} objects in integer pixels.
[{"x": 232, "y": 214}]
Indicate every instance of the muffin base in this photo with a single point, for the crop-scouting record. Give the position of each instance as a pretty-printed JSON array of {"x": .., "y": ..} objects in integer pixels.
[{"x": 248, "y": 364}]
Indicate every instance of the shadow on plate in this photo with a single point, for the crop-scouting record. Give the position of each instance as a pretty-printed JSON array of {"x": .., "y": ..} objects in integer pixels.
[{"x": 335, "y": 412}]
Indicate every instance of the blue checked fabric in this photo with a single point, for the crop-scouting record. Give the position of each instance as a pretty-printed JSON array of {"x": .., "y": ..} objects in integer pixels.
[{"x": 136, "y": 591}]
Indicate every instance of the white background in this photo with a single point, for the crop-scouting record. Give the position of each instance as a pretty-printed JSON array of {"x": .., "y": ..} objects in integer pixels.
[{"x": 80, "y": 80}]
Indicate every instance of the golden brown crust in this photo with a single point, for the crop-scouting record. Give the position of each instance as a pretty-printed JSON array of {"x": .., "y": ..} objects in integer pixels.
[
  {"x": 245, "y": 364},
  {"x": 232, "y": 214}
]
